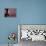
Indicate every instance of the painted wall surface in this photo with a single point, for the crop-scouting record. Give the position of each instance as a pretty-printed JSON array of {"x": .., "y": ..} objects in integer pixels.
[{"x": 28, "y": 12}]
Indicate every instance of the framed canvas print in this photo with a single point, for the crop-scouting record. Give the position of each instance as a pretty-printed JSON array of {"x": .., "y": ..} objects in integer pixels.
[
  {"x": 32, "y": 32},
  {"x": 10, "y": 12}
]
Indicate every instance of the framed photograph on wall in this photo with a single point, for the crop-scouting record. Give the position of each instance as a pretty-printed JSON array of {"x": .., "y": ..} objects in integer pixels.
[{"x": 10, "y": 12}]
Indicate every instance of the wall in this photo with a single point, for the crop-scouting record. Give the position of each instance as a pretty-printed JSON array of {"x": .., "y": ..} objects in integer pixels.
[
  {"x": 28, "y": 12},
  {"x": 33, "y": 12}
]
